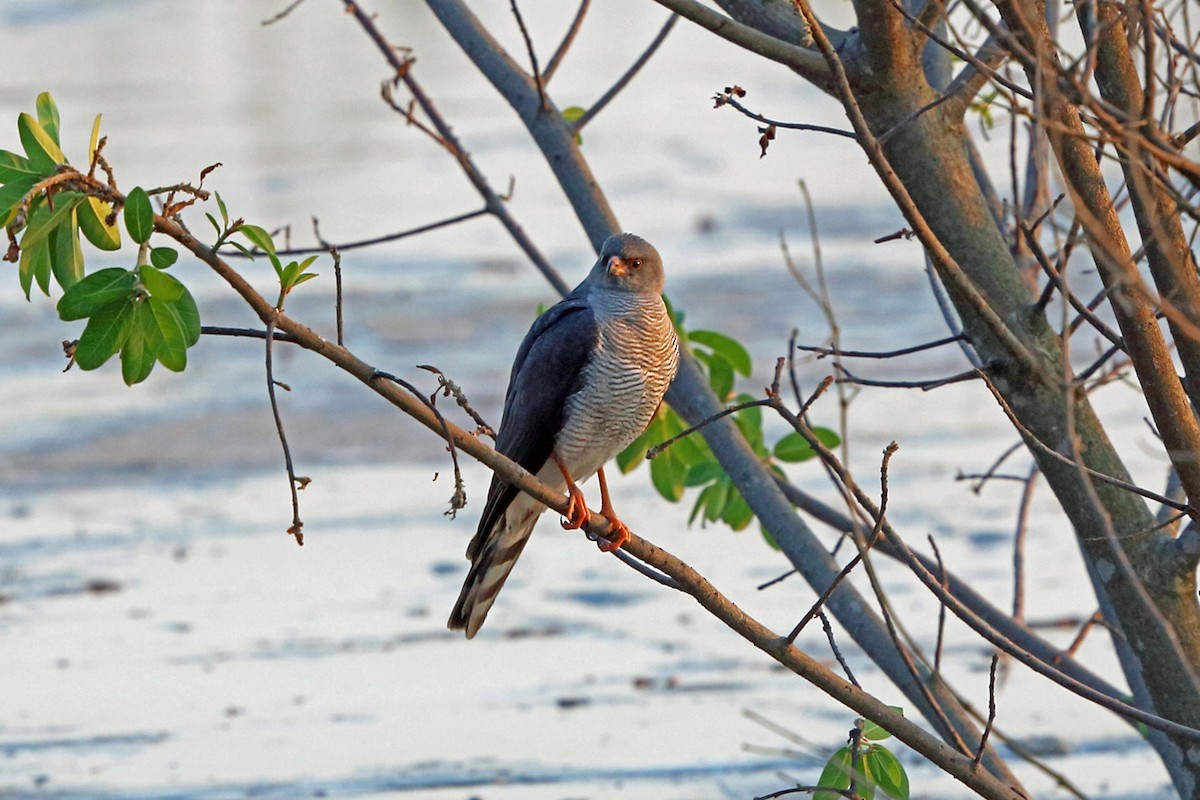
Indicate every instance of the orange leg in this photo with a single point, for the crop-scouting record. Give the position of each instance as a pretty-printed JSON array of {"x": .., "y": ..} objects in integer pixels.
[
  {"x": 577, "y": 510},
  {"x": 618, "y": 532}
]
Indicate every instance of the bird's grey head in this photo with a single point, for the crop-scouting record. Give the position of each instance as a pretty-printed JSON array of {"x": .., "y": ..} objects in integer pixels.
[{"x": 629, "y": 263}]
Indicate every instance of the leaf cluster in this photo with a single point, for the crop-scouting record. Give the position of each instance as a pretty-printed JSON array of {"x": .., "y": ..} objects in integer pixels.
[
  {"x": 49, "y": 218},
  {"x": 869, "y": 767},
  {"x": 290, "y": 275},
  {"x": 143, "y": 313},
  {"x": 689, "y": 463}
]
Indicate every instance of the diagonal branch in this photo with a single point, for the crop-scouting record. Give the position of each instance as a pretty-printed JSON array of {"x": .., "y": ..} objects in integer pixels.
[{"x": 628, "y": 75}]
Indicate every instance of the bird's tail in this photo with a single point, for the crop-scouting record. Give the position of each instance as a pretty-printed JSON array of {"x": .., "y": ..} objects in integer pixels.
[{"x": 491, "y": 566}]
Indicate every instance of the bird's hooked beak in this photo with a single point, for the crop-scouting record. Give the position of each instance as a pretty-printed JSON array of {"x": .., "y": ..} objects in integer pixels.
[{"x": 616, "y": 267}]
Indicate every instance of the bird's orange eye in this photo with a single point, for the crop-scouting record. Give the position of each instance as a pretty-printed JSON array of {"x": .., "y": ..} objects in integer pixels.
[{"x": 637, "y": 262}]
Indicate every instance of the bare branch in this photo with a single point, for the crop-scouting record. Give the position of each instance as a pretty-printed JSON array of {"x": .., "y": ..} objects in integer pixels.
[
  {"x": 903, "y": 351},
  {"x": 727, "y": 98},
  {"x": 294, "y": 482},
  {"x": 568, "y": 39},
  {"x": 533, "y": 62},
  {"x": 987, "y": 729}
]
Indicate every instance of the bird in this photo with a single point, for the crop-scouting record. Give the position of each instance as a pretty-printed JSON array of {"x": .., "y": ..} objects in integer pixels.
[{"x": 587, "y": 379}]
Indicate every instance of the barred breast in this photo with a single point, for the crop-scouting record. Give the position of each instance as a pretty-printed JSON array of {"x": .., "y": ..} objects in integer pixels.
[{"x": 637, "y": 354}]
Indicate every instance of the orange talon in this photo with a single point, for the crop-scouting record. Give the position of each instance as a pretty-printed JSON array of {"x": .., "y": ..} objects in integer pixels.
[
  {"x": 577, "y": 510},
  {"x": 618, "y": 532}
]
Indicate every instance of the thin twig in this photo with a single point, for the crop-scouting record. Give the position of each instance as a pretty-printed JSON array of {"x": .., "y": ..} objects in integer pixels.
[
  {"x": 1019, "y": 545},
  {"x": 628, "y": 76},
  {"x": 726, "y": 98},
  {"x": 925, "y": 385},
  {"x": 556, "y": 59},
  {"x": 297, "y": 527},
  {"x": 336, "y": 254},
  {"x": 1100, "y": 476},
  {"x": 450, "y": 388},
  {"x": 772, "y": 392},
  {"x": 837, "y": 653},
  {"x": 390, "y": 237},
  {"x": 458, "y": 500},
  {"x": 290, "y": 7},
  {"x": 903, "y": 351},
  {"x": 1077, "y": 642},
  {"x": 991, "y": 471},
  {"x": 853, "y": 562},
  {"x": 987, "y": 729},
  {"x": 777, "y": 579},
  {"x": 533, "y": 62},
  {"x": 252, "y": 333},
  {"x": 941, "y": 627}
]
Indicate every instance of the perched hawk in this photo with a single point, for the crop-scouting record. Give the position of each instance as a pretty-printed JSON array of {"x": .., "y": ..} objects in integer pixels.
[{"x": 587, "y": 379}]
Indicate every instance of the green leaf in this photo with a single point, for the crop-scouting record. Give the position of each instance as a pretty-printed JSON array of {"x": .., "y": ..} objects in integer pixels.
[
  {"x": 93, "y": 142},
  {"x": 629, "y": 458},
  {"x": 258, "y": 237},
  {"x": 142, "y": 344},
  {"x": 173, "y": 351},
  {"x": 11, "y": 195},
  {"x": 104, "y": 334},
  {"x": 720, "y": 374},
  {"x": 691, "y": 449},
  {"x": 888, "y": 773},
  {"x": 866, "y": 783},
  {"x": 221, "y": 206},
  {"x": 92, "y": 215},
  {"x": 43, "y": 221},
  {"x": 161, "y": 285},
  {"x": 571, "y": 114},
  {"x": 794, "y": 448},
  {"x": 243, "y": 250},
  {"x": 288, "y": 275},
  {"x": 100, "y": 289},
  {"x": 836, "y": 775},
  {"x": 717, "y": 500},
  {"x": 667, "y": 476},
  {"x": 65, "y": 253},
  {"x": 35, "y": 264},
  {"x": 47, "y": 113},
  {"x": 876, "y": 733},
  {"x": 702, "y": 473},
  {"x": 139, "y": 215},
  {"x": 189, "y": 316},
  {"x": 699, "y": 505},
  {"x": 768, "y": 538},
  {"x": 14, "y": 167},
  {"x": 749, "y": 422},
  {"x": 737, "y": 513},
  {"x": 163, "y": 257},
  {"x": 729, "y": 349},
  {"x": 43, "y": 152}
]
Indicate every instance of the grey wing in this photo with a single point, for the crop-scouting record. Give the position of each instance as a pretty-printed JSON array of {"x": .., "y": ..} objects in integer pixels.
[{"x": 548, "y": 369}]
